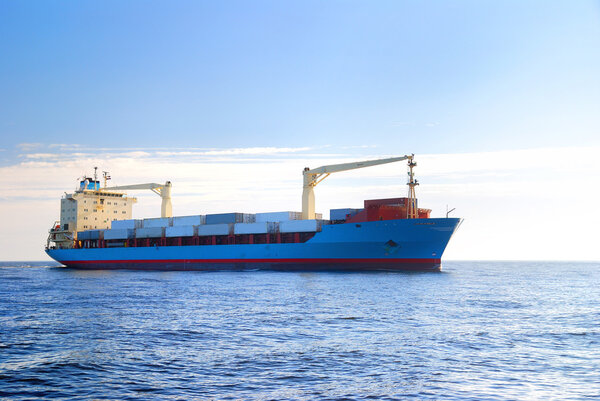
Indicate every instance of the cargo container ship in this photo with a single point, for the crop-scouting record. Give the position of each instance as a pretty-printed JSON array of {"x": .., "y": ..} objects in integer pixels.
[{"x": 96, "y": 231}]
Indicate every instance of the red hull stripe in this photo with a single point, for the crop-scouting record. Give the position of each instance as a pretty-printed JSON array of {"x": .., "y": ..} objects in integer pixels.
[{"x": 300, "y": 261}]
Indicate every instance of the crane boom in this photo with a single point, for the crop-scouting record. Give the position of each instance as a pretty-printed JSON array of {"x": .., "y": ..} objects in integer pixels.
[
  {"x": 334, "y": 168},
  {"x": 135, "y": 186},
  {"x": 312, "y": 177},
  {"x": 164, "y": 190}
]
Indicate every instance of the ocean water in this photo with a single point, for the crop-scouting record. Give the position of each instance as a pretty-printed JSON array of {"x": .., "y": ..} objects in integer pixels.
[{"x": 476, "y": 331}]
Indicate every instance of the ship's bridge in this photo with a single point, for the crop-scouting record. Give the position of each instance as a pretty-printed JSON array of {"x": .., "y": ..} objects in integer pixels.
[{"x": 89, "y": 184}]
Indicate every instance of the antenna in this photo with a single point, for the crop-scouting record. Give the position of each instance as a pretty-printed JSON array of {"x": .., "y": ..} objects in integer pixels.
[
  {"x": 95, "y": 174},
  {"x": 106, "y": 176}
]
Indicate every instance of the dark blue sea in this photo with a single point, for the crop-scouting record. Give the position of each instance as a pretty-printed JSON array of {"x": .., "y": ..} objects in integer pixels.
[{"x": 476, "y": 331}]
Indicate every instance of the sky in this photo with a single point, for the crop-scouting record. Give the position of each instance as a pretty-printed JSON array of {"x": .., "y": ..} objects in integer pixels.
[{"x": 499, "y": 102}]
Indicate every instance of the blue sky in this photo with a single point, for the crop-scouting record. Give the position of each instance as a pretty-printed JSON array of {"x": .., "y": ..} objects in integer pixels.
[
  {"x": 417, "y": 76},
  {"x": 303, "y": 82}
]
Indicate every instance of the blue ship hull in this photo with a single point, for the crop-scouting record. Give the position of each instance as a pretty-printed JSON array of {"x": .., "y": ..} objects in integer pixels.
[{"x": 406, "y": 244}]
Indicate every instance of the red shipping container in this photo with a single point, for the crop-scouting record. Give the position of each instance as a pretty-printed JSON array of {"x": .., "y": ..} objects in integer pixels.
[
  {"x": 389, "y": 201},
  {"x": 386, "y": 212}
]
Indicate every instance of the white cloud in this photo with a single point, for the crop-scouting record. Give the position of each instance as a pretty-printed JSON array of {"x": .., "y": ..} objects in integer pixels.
[
  {"x": 255, "y": 151},
  {"x": 65, "y": 145},
  {"x": 359, "y": 147},
  {"x": 27, "y": 146},
  {"x": 39, "y": 155},
  {"x": 77, "y": 152}
]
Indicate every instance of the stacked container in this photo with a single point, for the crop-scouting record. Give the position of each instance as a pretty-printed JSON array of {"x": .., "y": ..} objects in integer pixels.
[
  {"x": 150, "y": 232},
  {"x": 126, "y": 224},
  {"x": 300, "y": 226},
  {"x": 230, "y": 218},
  {"x": 278, "y": 216},
  {"x": 118, "y": 233},
  {"x": 388, "y": 201},
  {"x": 254, "y": 228},
  {"x": 157, "y": 222},
  {"x": 96, "y": 234},
  {"x": 342, "y": 214},
  {"x": 189, "y": 220},
  {"x": 215, "y": 229},
  {"x": 181, "y": 231}
]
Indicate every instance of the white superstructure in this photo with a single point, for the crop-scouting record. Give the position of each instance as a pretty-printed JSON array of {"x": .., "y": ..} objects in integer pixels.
[{"x": 91, "y": 207}]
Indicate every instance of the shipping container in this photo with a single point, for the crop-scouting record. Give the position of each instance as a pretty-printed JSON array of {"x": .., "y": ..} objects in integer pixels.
[
  {"x": 278, "y": 216},
  {"x": 189, "y": 220},
  {"x": 150, "y": 232},
  {"x": 96, "y": 234},
  {"x": 224, "y": 218},
  {"x": 126, "y": 224},
  {"x": 248, "y": 218},
  {"x": 389, "y": 202},
  {"x": 386, "y": 212},
  {"x": 118, "y": 233},
  {"x": 83, "y": 235},
  {"x": 254, "y": 228},
  {"x": 180, "y": 231},
  {"x": 215, "y": 229},
  {"x": 342, "y": 214},
  {"x": 300, "y": 226},
  {"x": 157, "y": 222}
]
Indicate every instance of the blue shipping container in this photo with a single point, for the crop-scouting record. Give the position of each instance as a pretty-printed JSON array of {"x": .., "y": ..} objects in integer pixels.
[
  {"x": 224, "y": 218},
  {"x": 341, "y": 214},
  {"x": 94, "y": 234},
  {"x": 118, "y": 233}
]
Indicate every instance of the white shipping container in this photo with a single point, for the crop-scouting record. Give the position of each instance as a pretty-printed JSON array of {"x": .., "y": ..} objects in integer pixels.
[
  {"x": 149, "y": 232},
  {"x": 180, "y": 231},
  {"x": 189, "y": 220},
  {"x": 300, "y": 226},
  {"x": 215, "y": 229},
  {"x": 157, "y": 222},
  {"x": 278, "y": 216},
  {"x": 118, "y": 233},
  {"x": 127, "y": 224},
  {"x": 253, "y": 228}
]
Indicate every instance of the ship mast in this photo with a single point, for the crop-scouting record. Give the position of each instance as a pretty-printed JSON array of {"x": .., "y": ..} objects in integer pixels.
[{"x": 411, "y": 210}]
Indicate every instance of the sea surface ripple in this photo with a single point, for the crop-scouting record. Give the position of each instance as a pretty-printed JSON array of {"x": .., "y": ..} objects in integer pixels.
[{"x": 476, "y": 331}]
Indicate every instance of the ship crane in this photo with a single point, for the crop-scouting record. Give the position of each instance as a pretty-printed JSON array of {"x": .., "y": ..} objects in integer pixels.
[
  {"x": 312, "y": 177},
  {"x": 164, "y": 190}
]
